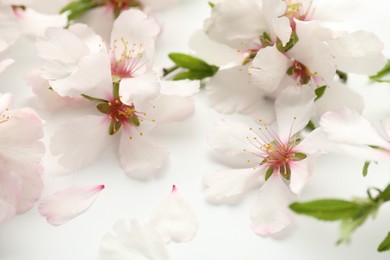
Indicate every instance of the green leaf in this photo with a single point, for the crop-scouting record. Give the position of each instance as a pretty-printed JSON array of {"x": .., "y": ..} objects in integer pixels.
[
  {"x": 385, "y": 245},
  {"x": 193, "y": 75},
  {"x": 327, "y": 209},
  {"x": 190, "y": 62},
  {"x": 365, "y": 168},
  {"x": 378, "y": 77},
  {"x": 269, "y": 173},
  {"x": 105, "y": 108},
  {"x": 78, "y": 8},
  {"x": 385, "y": 194},
  {"x": 342, "y": 76},
  {"x": 320, "y": 92}
]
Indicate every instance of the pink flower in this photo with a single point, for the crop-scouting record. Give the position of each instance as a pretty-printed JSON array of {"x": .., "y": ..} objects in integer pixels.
[
  {"x": 127, "y": 95},
  {"x": 21, "y": 152},
  {"x": 279, "y": 162}
]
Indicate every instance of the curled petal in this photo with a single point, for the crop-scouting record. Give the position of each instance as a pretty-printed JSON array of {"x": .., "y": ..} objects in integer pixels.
[
  {"x": 64, "y": 205},
  {"x": 174, "y": 218}
]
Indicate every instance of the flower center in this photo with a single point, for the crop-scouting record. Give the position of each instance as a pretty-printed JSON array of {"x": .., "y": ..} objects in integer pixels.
[
  {"x": 130, "y": 61},
  {"x": 300, "y": 73},
  {"x": 296, "y": 10}
]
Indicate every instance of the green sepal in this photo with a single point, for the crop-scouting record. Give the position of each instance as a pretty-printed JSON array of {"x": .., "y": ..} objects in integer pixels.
[
  {"x": 310, "y": 126},
  {"x": 385, "y": 194},
  {"x": 114, "y": 127},
  {"x": 269, "y": 172},
  {"x": 211, "y": 4},
  {"x": 104, "y": 107},
  {"x": 342, "y": 76},
  {"x": 93, "y": 99},
  {"x": 320, "y": 91},
  {"x": 385, "y": 244},
  {"x": 293, "y": 40},
  {"x": 285, "y": 171},
  {"x": 299, "y": 157},
  {"x": 135, "y": 121}
]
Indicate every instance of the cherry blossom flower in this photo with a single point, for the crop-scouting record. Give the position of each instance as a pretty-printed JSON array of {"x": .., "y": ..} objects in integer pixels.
[
  {"x": 64, "y": 205},
  {"x": 127, "y": 94},
  {"x": 278, "y": 162},
  {"x": 173, "y": 220},
  {"x": 21, "y": 154}
]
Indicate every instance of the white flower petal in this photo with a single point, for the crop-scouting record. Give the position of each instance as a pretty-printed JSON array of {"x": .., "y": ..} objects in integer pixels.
[
  {"x": 169, "y": 109},
  {"x": 20, "y": 144},
  {"x": 139, "y": 155},
  {"x": 338, "y": 95},
  {"x": 300, "y": 173},
  {"x": 236, "y": 141},
  {"x": 230, "y": 91},
  {"x": 346, "y": 126},
  {"x": 139, "y": 90},
  {"x": 31, "y": 187},
  {"x": 64, "y": 205},
  {"x": 182, "y": 88},
  {"x": 278, "y": 24},
  {"x": 268, "y": 68},
  {"x": 80, "y": 141},
  {"x": 10, "y": 190},
  {"x": 132, "y": 240},
  {"x": 236, "y": 23},
  {"x": 35, "y": 24},
  {"x": 174, "y": 218},
  {"x": 358, "y": 52},
  {"x": 100, "y": 19},
  {"x": 294, "y": 107},
  {"x": 229, "y": 185},
  {"x": 9, "y": 28},
  {"x": 6, "y": 102},
  {"x": 271, "y": 213}
]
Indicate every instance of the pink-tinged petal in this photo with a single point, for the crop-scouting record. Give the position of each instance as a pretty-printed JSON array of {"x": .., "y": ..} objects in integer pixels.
[
  {"x": 338, "y": 95},
  {"x": 134, "y": 31},
  {"x": 211, "y": 51},
  {"x": 169, "y": 109},
  {"x": 228, "y": 25},
  {"x": 61, "y": 45},
  {"x": 79, "y": 142},
  {"x": 35, "y": 24},
  {"x": 5, "y": 63},
  {"x": 346, "y": 126},
  {"x": 30, "y": 188},
  {"x": 313, "y": 143},
  {"x": 139, "y": 155},
  {"x": 64, "y": 205},
  {"x": 181, "y": 88},
  {"x": 230, "y": 91},
  {"x": 89, "y": 37},
  {"x": 385, "y": 128},
  {"x": 47, "y": 98},
  {"x": 268, "y": 68},
  {"x": 278, "y": 24},
  {"x": 358, "y": 52},
  {"x": 9, "y": 28},
  {"x": 174, "y": 218},
  {"x": 312, "y": 51},
  {"x": 271, "y": 213},
  {"x": 236, "y": 141},
  {"x": 228, "y": 185},
  {"x": 10, "y": 190},
  {"x": 92, "y": 77},
  {"x": 131, "y": 240},
  {"x": 139, "y": 90},
  {"x": 300, "y": 173},
  {"x": 294, "y": 107},
  {"x": 20, "y": 144}
]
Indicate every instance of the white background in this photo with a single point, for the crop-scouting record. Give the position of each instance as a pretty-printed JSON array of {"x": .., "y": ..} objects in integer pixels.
[{"x": 224, "y": 231}]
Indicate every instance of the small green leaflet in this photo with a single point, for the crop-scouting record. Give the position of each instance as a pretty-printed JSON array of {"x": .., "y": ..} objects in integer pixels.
[
  {"x": 365, "y": 168},
  {"x": 327, "y": 209},
  {"x": 385, "y": 245},
  {"x": 194, "y": 68},
  {"x": 379, "y": 76},
  {"x": 385, "y": 194}
]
